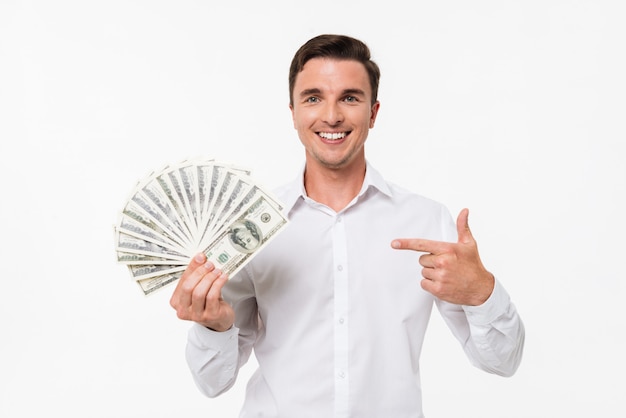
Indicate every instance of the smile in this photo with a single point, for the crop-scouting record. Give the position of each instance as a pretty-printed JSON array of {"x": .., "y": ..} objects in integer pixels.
[{"x": 333, "y": 136}]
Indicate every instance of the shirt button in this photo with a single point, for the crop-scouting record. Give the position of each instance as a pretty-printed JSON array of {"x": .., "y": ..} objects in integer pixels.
[
  {"x": 340, "y": 267},
  {"x": 342, "y": 375},
  {"x": 341, "y": 320},
  {"x": 339, "y": 219}
]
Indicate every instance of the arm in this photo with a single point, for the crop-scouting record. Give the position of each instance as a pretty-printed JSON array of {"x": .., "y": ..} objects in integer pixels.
[{"x": 216, "y": 346}]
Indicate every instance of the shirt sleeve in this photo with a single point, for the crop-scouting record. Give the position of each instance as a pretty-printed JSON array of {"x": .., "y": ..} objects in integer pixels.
[
  {"x": 214, "y": 358},
  {"x": 492, "y": 334}
]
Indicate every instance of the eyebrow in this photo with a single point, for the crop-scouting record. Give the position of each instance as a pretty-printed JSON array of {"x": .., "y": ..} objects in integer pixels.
[
  {"x": 314, "y": 91},
  {"x": 309, "y": 92},
  {"x": 354, "y": 92}
]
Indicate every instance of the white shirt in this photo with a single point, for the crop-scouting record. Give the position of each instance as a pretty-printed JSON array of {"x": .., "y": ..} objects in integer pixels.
[{"x": 337, "y": 317}]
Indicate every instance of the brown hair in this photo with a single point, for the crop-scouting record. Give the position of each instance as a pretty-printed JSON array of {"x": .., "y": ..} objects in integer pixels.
[{"x": 337, "y": 47}]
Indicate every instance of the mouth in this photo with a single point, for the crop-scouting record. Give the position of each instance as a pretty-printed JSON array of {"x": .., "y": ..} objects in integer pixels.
[{"x": 333, "y": 136}]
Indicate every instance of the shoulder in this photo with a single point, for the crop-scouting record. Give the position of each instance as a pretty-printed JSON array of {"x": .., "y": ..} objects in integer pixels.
[
  {"x": 400, "y": 195},
  {"x": 419, "y": 214}
]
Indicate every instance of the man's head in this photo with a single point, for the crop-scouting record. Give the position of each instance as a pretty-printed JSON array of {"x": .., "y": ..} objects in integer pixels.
[{"x": 339, "y": 47}]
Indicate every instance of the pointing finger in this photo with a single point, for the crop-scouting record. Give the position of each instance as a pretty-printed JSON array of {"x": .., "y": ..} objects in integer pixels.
[{"x": 418, "y": 244}]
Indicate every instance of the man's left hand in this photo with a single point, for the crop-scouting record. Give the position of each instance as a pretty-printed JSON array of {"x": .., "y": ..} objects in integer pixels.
[{"x": 453, "y": 272}]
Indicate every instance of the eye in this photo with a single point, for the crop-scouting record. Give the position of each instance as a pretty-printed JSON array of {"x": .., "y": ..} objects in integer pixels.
[
  {"x": 350, "y": 99},
  {"x": 312, "y": 99}
]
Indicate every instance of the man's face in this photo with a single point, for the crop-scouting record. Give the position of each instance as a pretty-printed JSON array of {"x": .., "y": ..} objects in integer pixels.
[{"x": 332, "y": 111}]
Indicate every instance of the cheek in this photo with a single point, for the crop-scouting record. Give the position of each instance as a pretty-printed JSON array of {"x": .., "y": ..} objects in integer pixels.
[{"x": 303, "y": 120}]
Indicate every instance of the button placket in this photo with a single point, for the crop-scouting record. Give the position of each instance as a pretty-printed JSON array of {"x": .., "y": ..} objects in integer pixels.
[{"x": 341, "y": 307}]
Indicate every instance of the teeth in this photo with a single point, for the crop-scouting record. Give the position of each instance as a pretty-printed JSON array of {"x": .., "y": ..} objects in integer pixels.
[{"x": 332, "y": 136}]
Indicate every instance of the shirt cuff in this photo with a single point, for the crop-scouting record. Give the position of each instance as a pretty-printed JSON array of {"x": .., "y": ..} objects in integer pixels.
[
  {"x": 205, "y": 338},
  {"x": 496, "y": 305}
]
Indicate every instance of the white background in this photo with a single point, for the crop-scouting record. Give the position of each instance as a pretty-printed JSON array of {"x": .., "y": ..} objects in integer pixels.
[{"x": 515, "y": 109}]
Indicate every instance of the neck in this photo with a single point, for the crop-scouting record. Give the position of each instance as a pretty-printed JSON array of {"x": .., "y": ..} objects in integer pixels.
[{"x": 334, "y": 188}]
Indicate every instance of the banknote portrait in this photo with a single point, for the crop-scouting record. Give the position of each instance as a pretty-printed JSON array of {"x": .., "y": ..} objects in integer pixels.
[{"x": 245, "y": 236}]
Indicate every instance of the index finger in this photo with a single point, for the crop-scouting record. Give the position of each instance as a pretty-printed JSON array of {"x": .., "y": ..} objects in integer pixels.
[{"x": 418, "y": 244}]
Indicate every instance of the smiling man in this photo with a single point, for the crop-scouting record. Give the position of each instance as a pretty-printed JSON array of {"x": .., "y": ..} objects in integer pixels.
[
  {"x": 333, "y": 110},
  {"x": 334, "y": 307}
]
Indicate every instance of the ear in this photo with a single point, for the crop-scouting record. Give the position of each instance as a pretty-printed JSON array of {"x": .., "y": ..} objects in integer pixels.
[
  {"x": 293, "y": 116},
  {"x": 374, "y": 113}
]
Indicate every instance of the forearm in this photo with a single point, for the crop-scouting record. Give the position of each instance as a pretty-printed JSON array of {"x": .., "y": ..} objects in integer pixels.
[
  {"x": 213, "y": 358},
  {"x": 492, "y": 334},
  {"x": 496, "y": 334}
]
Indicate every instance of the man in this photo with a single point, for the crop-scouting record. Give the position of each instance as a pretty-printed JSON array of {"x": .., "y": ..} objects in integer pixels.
[{"x": 335, "y": 313}]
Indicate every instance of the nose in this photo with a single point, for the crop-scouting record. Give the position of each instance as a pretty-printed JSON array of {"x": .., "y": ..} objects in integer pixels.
[{"x": 332, "y": 114}]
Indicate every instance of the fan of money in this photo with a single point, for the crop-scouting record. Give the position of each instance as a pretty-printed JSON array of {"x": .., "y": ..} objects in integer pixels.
[{"x": 193, "y": 206}]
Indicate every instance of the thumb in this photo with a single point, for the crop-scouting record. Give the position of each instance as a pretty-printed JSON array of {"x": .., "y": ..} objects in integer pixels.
[{"x": 462, "y": 227}]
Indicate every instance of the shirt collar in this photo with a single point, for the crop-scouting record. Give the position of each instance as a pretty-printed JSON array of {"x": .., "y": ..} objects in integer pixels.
[{"x": 295, "y": 189}]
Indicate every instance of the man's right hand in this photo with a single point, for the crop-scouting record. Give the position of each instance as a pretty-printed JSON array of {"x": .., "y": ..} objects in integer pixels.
[{"x": 198, "y": 296}]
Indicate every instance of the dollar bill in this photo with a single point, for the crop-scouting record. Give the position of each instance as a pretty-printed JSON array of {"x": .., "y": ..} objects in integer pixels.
[
  {"x": 130, "y": 226},
  {"x": 130, "y": 244},
  {"x": 147, "y": 271},
  {"x": 140, "y": 258},
  {"x": 245, "y": 236},
  {"x": 151, "y": 285}
]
